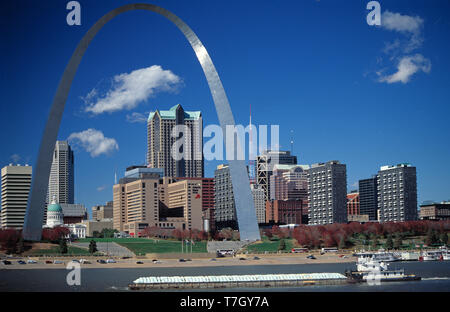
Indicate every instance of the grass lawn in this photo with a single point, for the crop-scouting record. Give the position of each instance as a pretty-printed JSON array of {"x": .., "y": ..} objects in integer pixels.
[
  {"x": 270, "y": 246},
  {"x": 116, "y": 240},
  {"x": 140, "y": 247}
]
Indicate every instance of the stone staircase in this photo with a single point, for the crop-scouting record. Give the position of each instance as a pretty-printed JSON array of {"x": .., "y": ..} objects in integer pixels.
[{"x": 213, "y": 246}]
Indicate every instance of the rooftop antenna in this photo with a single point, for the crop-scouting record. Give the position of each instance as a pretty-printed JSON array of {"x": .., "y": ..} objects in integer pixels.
[
  {"x": 292, "y": 142},
  {"x": 115, "y": 176},
  {"x": 251, "y": 162}
]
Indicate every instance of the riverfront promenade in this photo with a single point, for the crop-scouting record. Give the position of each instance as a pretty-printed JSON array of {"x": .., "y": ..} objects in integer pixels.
[{"x": 273, "y": 259}]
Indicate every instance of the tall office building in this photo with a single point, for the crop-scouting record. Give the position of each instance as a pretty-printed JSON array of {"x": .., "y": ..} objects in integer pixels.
[
  {"x": 397, "y": 193},
  {"x": 289, "y": 182},
  {"x": 224, "y": 205},
  {"x": 151, "y": 200},
  {"x": 180, "y": 204},
  {"x": 16, "y": 183},
  {"x": 61, "y": 180},
  {"x": 136, "y": 200},
  {"x": 259, "y": 199},
  {"x": 265, "y": 164},
  {"x": 368, "y": 198},
  {"x": 161, "y": 140},
  {"x": 207, "y": 201},
  {"x": 327, "y": 193}
]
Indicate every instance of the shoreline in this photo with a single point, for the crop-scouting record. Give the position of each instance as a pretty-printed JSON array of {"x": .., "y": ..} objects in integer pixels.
[{"x": 167, "y": 263}]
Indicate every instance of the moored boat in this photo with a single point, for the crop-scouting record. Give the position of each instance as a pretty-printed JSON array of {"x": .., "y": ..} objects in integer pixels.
[{"x": 371, "y": 270}]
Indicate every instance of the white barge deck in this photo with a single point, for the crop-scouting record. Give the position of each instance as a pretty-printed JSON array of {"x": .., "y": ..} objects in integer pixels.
[{"x": 224, "y": 281}]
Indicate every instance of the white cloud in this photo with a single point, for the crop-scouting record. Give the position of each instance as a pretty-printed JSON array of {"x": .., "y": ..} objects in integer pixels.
[
  {"x": 399, "y": 51},
  {"x": 130, "y": 89},
  {"x": 15, "y": 158},
  {"x": 101, "y": 188},
  {"x": 408, "y": 66},
  {"x": 401, "y": 23},
  {"x": 94, "y": 142},
  {"x": 410, "y": 26},
  {"x": 136, "y": 117}
]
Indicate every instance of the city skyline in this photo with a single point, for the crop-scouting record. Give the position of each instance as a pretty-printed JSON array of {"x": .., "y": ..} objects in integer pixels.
[{"x": 386, "y": 136}]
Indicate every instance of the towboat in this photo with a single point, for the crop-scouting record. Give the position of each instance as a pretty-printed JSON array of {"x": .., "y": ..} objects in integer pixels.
[
  {"x": 372, "y": 270},
  {"x": 432, "y": 255}
]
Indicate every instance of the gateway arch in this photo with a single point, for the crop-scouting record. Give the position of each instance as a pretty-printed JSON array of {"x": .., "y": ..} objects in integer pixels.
[{"x": 245, "y": 210}]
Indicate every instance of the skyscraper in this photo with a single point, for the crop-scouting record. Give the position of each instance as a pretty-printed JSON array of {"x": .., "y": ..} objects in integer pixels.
[
  {"x": 161, "y": 140},
  {"x": 224, "y": 205},
  {"x": 16, "y": 182},
  {"x": 264, "y": 167},
  {"x": 260, "y": 202},
  {"x": 61, "y": 181},
  {"x": 397, "y": 193},
  {"x": 368, "y": 198},
  {"x": 289, "y": 182},
  {"x": 327, "y": 193}
]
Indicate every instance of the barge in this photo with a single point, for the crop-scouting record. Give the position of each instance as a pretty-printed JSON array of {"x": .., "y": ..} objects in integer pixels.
[{"x": 236, "y": 281}]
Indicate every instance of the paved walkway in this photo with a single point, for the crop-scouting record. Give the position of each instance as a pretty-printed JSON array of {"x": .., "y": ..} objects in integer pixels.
[{"x": 112, "y": 249}]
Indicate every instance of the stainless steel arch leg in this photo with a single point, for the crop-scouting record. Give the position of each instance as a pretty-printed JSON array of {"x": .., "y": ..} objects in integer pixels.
[{"x": 245, "y": 209}]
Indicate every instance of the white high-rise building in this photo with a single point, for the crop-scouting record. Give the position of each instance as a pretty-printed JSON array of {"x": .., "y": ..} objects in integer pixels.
[
  {"x": 61, "y": 181},
  {"x": 327, "y": 193},
  {"x": 16, "y": 183},
  {"x": 397, "y": 193}
]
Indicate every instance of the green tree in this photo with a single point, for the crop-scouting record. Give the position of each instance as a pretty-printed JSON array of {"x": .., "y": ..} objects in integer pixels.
[
  {"x": 375, "y": 243},
  {"x": 282, "y": 245},
  {"x": 20, "y": 245},
  {"x": 389, "y": 242},
  {"x": 63, "y": 246},
  {"x": 342, "y": 243},
  {"x": 107, "y": 233},
  {"x": 92, "y": 247},
  {"x": 431, "y": 238},
  {"x": 444, "y": 238},
  {"x": 11, "y": 245},
  {"x": 398, "y": 242}
]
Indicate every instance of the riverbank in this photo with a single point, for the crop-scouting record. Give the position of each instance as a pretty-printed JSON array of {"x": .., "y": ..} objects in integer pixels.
[{"x": 250, "y": 260}]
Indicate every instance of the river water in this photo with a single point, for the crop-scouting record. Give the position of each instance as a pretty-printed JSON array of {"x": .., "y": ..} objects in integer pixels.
[{"x": 435, "y": 277}]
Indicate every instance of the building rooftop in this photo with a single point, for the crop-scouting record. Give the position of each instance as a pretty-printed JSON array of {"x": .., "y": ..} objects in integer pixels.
[
  {"x": 336, "y": 162},
  {"x": 171, "y": 113},
  {"x": 289, "y": 167},
  {"x": 388, "y": 167}
]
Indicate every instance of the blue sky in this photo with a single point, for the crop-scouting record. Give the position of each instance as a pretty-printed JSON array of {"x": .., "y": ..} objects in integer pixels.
[{"x": 365, "y": 95}]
